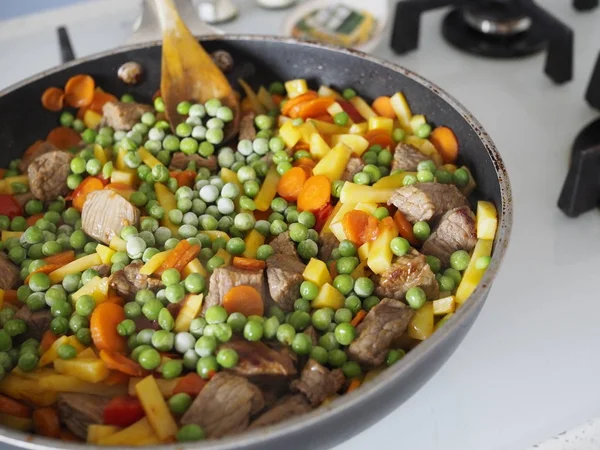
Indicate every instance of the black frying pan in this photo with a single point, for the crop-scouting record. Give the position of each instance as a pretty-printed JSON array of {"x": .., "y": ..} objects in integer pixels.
[{"x": 260, "y": 60}]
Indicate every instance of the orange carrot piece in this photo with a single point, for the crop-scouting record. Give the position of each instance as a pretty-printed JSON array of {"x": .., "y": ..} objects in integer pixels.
[
  {"x": 187, "y": 257},
  {"x": 324, "y": 118},
  {"x": 174, "y": 256},
  {"x": 445, "y": 142},
  {"x": 184, "y": 177},
  {"x": 115, "y": 299},
  {"x": 379, "y": 137},
  {"x": 10, "y": 296},
  {"x": 100, "y": 99},
  {"x": 304, "y": 164},
  {"x": 88, "y": 185},
  {"x": 190, "y": 384},
  {"x": 354, "y": 384},
  {"x": 79, "y": 90},
  {"x": 315, "y": 193},
  {"x": 293, "y": 102},
  {"x": 360, "y": 315},
  {"x": 63, "y": 138},
  {"x": 44, "y": 269},
  {"x": 61, "y": 258},
  {"x": 48, "y": 338},
  {"x": 405, "y": 228},
  {"x": 290, "y": 184},
  {"x": 31, "y": 150},
  {"x": 46, "y": 422},
  {"x": 311, "y": 108},
  {"x": 103, "y": 325},
  {"x": 244, "y": 299},
  {"x": 333, "y": 269},
  {"x": 383, "y": 107},
  {"x": 360, "y": 227},
  {"x": 31, "y": 220},
  {"x": 248, "y": 263},
  {"x": 119, "y": 362},
  {"x": 68, "y": 435},
  {"x": 116, "y": 377},
  {"x": 53, "y": 99},
  {"x": 13, "y": 407}
]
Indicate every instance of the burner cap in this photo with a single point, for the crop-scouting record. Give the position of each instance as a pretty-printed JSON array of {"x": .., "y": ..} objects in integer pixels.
[{"x": 496, "y": 18}]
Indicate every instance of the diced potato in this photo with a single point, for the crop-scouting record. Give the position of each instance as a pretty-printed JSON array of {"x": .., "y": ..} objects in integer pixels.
[
  {"x": 120, "y": 161},
  {"x": 266, "y": 99},
  {"x": 167, "y": 200},
  {"x": 393, "y": 181},
  {"x": 327, "y": 128},
  {"x": 487, "y": 220},
  {"x": 362, "y": 107},
  {"x": 369, "y": 208},
  {"x": 156, "y": 408},
  {"x": 225, "y": 255},
  {"x": 140, "y": 433},
  {"x": 6, "y": 235},
  {"x": 92, "y": 119},
  {"x": 327, "y": 226},
  {"x": 21, "y": 388},
  {"x": 472, "y": 275},
  {"x": 253, "y": 240},
  {"x": 444, "y": 305},
  {"x": 216, "y": 234},
  {"x": 317, "y": 272},
  {"x": 88, "y": 353},
  {"x": 50, "y": 355},
  {"x": 359, "y": 128},
  {"x": 257, "y": 106},
  {"x": 318, "y": 147},
  {"x": 148, "y": 158},
  {"x": 294, "y": 88},
  {"x": 421, "y": 325},
  {"x": 328, "y": 297},
  {"x": 380, "y": 253},
  {"x": 338, "y": 231},
  {"x": 381, "y": 123},
  {"x": 357, "y": 143},
  {"x": 67, "y": 383},
  {"x": 189, "y": 311},
  {"x": 97, "y": 432},
  {"x": 165, "y": 386},
  {"x": 442, "y": 321},
  {"x": 363, "y": 251},
  {"x": 416, "y": 121},
  {"x": 16, "y": 422},
  {"x": 79, "y": 265},
  {"x": 402, "y": 110},
  {"x": 97, "y": 287},
  {"x": 100, "y": 154},
  {"x": 326, "y": 91},
  {"x": 105, "y": 253},
  {"x": 229, "y": 176},
  {"x": 359, "y": 271},
  {"x": 267, "y": 191},
  {"x": 425, "y": 147},
  {"x": 351, "y": 192},
  {"x": 307, "y": 130},
  {"x": 333, "y": 164},
  {"x": 155, "y": 262},
  {"x": 118, "y": 244},
  {"x": 195, "y": 266},
  {"x": 91, "y": 370},
  {"x": 121, "y": 177},
  {"x": 290, "y": 134}
]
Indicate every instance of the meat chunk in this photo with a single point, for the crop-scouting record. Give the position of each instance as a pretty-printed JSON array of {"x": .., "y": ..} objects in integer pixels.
[
  {"x": 78, "y": 411},
  {"x": 317, "y": 382},
  {"x": 224, "y": 406},
  {"x": 29, "y": 156},
  {"x": 456, "y": 231},
  {"x": 128, "y": 281},
  {"x": 426, "y": 201},
  {"x": 406, "y": 272},
  {"x": 256, "y": 359},
  {"x": 102, "y": 269},
  {"x": 180, "y": 161},
  {"x": 247, "y": 130},
  {"x": 283, "y": 245},
  {"x": 224, "y": 278},
  {"x": 327, "y": 242},
  {"x": 312, "y": 333},
  {"x": 385, "y": 322},
  {"x": 48, "y": 175},
  {"x": 284, "y": 276},
  {"x": 354, "y": 166},
  {"x": 123, "y": 116},
  {"x": 105, "y": 213},
  {"x": 9, "y": 273},
  {"x": 37, "y": 322},
  {"x": 286, "y": 408},
  {"x": 407, "y": 157}
]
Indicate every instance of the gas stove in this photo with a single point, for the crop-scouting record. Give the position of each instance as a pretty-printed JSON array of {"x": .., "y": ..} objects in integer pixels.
[{"x": 527, "y": 370}]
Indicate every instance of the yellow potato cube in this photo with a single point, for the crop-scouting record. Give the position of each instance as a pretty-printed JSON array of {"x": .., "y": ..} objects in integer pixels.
[
  {"x": 307, "y": 130},
  {"x": 381, "y": 123},
  {"x": 79, "y": 265},
  {"x": 195, "y": 266},
  {"x": 359, "y": 128},
  {"x": 362, "y": 107},
  {"x": 165, "y": 386},
  {"x": 140, "y": 433},
  {"x": 369, "y": 208},
  {"x": 157, "y": 411},
  {"x": 380, "y": 254},
  {"x": 416, "y": 121},
  {"x": 329, "y": 297},
  {"x": 351, "y": 192},
  {"x": 333, "y": 164},
  {"x": 295, "y": 88},
  {"x": 190, "y": 310},
  {"x": 92, "y": 119},
  {"x": 421, "y": 325},
  {"x": 338, "y": 231},
  {"x": 317, "y": 272},
  {"x": 105, "y": 253},
  {"x": 393, "y": 181},
  {"x": 443, "y": 306},
  {"x": 290, "y": 134},
  {"x": 91, "y": 370},
  {"x": 357, "y": 144},
  {"x": 318, "y": 146},
  {"x": 472, "y": 275},
  {"x": 16, "y": 422},
  {"x": 487, "y": 220},
  {"x": 402, "y": 110},
  {"x": 97, "y": 432},
  {"x": 425, "y": 147},
  {"x": 155, "y": 262},
  {"x": 97, "y": 288},
  {"x": 167, "y": 200},
  {"x": 268, "y": 190},
  {"x": 148, "y": 158},
  {"x": 118, "y": 244},
  {"x": 328, "y": 128},
  {"x": 363, "y": 251}
]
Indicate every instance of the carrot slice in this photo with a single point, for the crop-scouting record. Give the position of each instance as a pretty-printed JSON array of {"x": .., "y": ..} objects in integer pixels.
[
  {"x": 46, "y": 422},
  {"x": 360, "y": 315},
  {"x": 174, "y": 256},
  {"x": 290, "y": 184},
  {"x": 48, "y": 338},
  {"x": 44, "y": 269},
  {"x": 88, "y": 185},
  {"x": 63, "y": 138},
  {"x": 184, "y": 177},
  {"x": 307, "y": 165},
  {"x": 190, "y": 384},
  {"x": 13, "y": 407},
  {"x": 244, "y": 299},
  {"x": 248, "y": 263},
  {"x": 100, "y": 99},
  {"x": 32, "y": 149},
  {"x": 293, "y": 102},
  {"x": 31, "y": 220},
  {"x": 53, "y": 99},
  {"x": 315, "y": 193},
  {"x": 103, "y": 325},
  {"x": 383, "y": 107},
  {"x": 445, "y": 142},
  {"x": 360, "y": 227},
  {"x": 61, "y": 258},
  {"x": 79, "y": 90},
  {"x": 322, "y": 215},
  {"x": 121, "y": 363},
  {"x": 379, "y": 137},
  {"x": 312, "y": 108},
  {"x": 188, "y": 256},
  {"x": 405, "y": 228},
  {"x": 116, "y": 377},
  {"x": 354, "y": 384}
]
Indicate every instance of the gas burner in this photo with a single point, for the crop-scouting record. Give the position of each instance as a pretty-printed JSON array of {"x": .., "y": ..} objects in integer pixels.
[
  {"x": 493, "y": 28},
  {"x": 585, "y": 5}
]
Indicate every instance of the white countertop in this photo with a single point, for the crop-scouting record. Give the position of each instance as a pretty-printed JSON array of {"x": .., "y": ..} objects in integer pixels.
[{"x": 527, "y": 370}]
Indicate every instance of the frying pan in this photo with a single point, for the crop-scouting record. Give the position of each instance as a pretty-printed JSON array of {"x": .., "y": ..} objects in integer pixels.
[{"x": 260, "y": 60}]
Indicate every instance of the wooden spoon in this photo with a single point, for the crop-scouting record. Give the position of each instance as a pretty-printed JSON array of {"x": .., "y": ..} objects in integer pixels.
[{"x": 188, "y": 73}]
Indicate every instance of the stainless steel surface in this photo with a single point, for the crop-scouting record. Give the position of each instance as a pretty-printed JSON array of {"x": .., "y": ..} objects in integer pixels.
[{"x": 494, "y": 26}]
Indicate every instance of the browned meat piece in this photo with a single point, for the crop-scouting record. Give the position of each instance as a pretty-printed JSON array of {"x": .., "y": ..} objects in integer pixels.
[
  {"x": 128, "y": 281},
  {"x": 223, "y": 60},
  {"x": 9, "y": 273},
  {"x": 284, "y": 276},
  {"x": 426, "y": 201},
  {"x": 247, "y": 130},
  {"x": 22, "y": 199},
  {"x": 283, "y": 245},
  {"x": 224, "y": 406},
  {"x": 256, "y": 359},
  {"x": 37, "y": 322},
  {"x": 354, "y": 166},
  {"x": 406, "y": 271},
  {"x": 123, "y": 116},
  {"x": 317, "y": 382},
  {"x": 312, "y": 333},
  {"x": 407, "y": 157},
  {"x": 286, "y": 408},
  {"x": 44, "y": 147},
  {"x": 456, "y": 231},
  {"x": 180, "y": 161},
  {"x": 327, "y": 242},
  {"x": 78, "y": 411},
  {"x": 385, "y": 322},
  {"x": 224, "y": 278},
  {"x": 103, "y": 270},
  {"x": 105, "y": 213},
  {"x": 48, "y": 175}
]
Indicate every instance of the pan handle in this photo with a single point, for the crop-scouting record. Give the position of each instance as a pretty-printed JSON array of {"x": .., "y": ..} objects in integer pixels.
[{"x": 147, "y": 27}]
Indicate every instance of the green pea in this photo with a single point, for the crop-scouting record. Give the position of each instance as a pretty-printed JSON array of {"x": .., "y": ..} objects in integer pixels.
[
  {"x": 179, "y": 403},
  {"x": 227, "y": 358},
  {"x": 351, "y": 369},
  {"x": 344, "y": 283},
  {"x": 384, "y": 158},
  {"x": 398, "y": 134},
  {"x": 423, "y": 131},
  {"x": 459, "y": 260},
  {"x": 5, "y": 341},
  {"x": 446, "y": 283},
  {"x": 84, "y": 336},
  {"x": 415, "y": 297},
  {"x": 190, "y": 433},
  {"x": 337, "y": 357},
  {"x": 341, "y": 118},
  {"x": 393, "y": 356},
  {"x": 347, "y": 248},
  {"x": 348, "y": 93},
  {"x": 434, "y": 263},
  {"x": 373, "y": 171},
  {"x": 353, "y": 303},
  {"x": 253, "y": 330},
  {"x": 77, "y": 322},
  {"x": 370, "y": 302},
  {"x": 347, "y": 264},
  {"x": 298, "y": 232},
  {"x": 5, "y": 315},
  {"x": 361, "y": 178},
  {"x": 207, "y": 366},
  {"x": 165, "y": 320},
  {"x": 328, "y": 341},
  {"x": 171, "y": 369},
  {"x": 36, "y": 301},
  {"x": 28, "y": 362},
  {"x": 286, "y": 333},
  {"x": 408, "y": 180},
  {"x": 276, "y": 311},
  {"x": 277, "y": 87},
  {"x": 319, "y": 354},
  {"x": 309, "y": 290},
  {"x": 308, "y": 249},
  {"x": 149, "y": 359},
  {"x": 59, "y": 325},
  {"x": 461, "y": 177},
  {"x": 443, "y": 176},
  {"x": 66, "y": 351},
  {"x": 175, "y": 293},
  {"x": 302, "y": 344},
  {"x": 301, "y": 304},
  {"x": 421, "y": 230},
  {"x": 151, "y": 309},
  {"x": 482, "y": 262},
  {"x": 321, "y": 318},
  {"x": 399, "y": 246}
]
